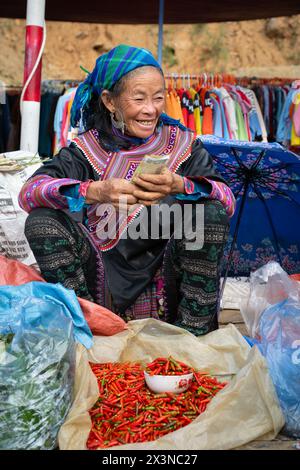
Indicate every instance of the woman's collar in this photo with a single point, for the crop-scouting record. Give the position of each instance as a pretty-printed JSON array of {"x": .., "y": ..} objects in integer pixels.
[{"x": 133, "y": 141}]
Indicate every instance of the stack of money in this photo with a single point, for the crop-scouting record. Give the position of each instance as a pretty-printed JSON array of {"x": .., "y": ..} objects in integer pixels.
[{"x": 151, "y": 164}]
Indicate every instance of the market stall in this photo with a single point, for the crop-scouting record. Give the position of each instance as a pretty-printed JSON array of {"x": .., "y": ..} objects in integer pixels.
[{"x": 232, "y": 399}]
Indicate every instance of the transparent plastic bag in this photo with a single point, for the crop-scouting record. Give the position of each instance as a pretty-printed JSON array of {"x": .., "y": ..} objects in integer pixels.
[
  {"x": 280, "y": 344},
  {"x": 269, "y": 285},
  {"x": 37, "y": 366}
]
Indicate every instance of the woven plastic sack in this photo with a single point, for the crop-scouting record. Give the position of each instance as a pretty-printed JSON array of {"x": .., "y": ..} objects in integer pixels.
[{"x": 13, "y": 242}]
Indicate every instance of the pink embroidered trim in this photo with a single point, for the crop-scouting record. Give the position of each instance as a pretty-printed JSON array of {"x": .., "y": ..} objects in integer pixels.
[{"x": 84, "y": 187}]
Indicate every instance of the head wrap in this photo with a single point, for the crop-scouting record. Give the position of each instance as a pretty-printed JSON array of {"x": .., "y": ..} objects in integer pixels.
[{"x": 109, "y": 68}]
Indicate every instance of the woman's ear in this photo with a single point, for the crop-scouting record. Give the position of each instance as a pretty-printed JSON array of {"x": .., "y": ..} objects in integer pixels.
[{"x": 107, "y": 101}]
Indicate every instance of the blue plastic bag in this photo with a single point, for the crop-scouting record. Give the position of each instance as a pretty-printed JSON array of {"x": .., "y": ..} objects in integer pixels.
[
  {"x": 57, "y": 296},
  {"x": 280, "y": 344},
  {"x": 37, "y": 367}
]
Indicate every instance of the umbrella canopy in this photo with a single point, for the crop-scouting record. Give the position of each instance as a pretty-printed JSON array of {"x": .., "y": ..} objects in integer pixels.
[
  {"x": 265, "y": 179},
  {"x": 137, "y": 12}
]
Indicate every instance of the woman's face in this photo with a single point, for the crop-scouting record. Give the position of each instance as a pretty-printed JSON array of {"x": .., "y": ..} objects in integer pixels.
[{"x": 141, "y": 103}]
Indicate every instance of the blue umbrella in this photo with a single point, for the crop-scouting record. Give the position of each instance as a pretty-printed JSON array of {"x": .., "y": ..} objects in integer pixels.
[{"x": 265, "y": 179}]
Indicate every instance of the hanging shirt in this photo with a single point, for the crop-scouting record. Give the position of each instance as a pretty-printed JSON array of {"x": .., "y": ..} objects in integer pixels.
[
  {"x": 266, "y": 109},
  {"x": 173, "y": 106},
  {"x": 60, "y": 116},
  {"x": 281, "y": 96},
  {"x": 196, "y": 105},
  {"x": 187, "y": 109},
  {"x": 242, "y": 132},
  {"x": 284, "y": 129},
  {"x": 207, "y": 121},
  {"x": 296, "y": 117},
  {"x": 260, "y": 119},
  {"x": 184, "y": 106},
  {"x": 229, "y": 110},
  {"x": 219, "y": 94},
  {"x": 217, "y": 117},
  {"x": 64, "y": 124},
  {"x": 191, "y": 118},
  {"x": 256, "y": 122},
  {"x": 295, "y": 134}
]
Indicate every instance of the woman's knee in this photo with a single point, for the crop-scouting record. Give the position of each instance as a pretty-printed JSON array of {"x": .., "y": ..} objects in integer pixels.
[
  {"x": 208, "y": 223},
  {"x": 41, "y": 218},
  {"x": 215, "y": 213}
]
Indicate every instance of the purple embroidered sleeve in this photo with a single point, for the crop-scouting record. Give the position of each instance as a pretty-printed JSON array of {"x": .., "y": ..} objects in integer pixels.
[
  {"x": 223, "y": 193},
  {"x": 219, "y": 191},
  {"x": 189, "y": 185},
  {"x": 44, "y": 191}
]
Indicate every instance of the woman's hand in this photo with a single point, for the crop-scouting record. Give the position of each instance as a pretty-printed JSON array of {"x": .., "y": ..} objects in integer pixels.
[
  {"x": 115, "y": 191},
  {"x": 149, "y": 189}
]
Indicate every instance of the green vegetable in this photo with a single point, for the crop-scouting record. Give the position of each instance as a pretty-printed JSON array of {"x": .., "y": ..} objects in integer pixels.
[{"x": 36, "y": 387}]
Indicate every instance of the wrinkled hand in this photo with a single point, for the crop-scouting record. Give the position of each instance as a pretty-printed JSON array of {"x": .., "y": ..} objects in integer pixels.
[
  {"x": 115, "y": 191},
  {"x": 149, "y": 189}
]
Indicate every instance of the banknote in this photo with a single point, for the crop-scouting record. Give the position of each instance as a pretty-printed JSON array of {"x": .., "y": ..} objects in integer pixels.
[{"x": 151, "y": 164}]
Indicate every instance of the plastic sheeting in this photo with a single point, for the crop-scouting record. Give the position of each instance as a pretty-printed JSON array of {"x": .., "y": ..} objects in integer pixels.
[
  {"x": 100, "y": 320},
  {"x": 55, "y": 295},
  {"x": 246, "y": 409},
  {"x": 280, "y": 344}
]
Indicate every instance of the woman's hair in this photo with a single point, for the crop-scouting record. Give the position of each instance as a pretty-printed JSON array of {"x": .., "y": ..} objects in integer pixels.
[{"x": 97, "y": 116}]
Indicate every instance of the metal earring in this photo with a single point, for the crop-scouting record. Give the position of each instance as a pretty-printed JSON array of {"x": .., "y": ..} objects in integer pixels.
[{"x": 117, "y": 124}]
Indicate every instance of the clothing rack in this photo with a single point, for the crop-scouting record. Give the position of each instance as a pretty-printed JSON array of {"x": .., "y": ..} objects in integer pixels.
[
  {"x": 207, "y": 79},
  {"x": 218, "y": 79},
  {"x": 12, "y": 87},
  {"x": 276, "y": 81}
]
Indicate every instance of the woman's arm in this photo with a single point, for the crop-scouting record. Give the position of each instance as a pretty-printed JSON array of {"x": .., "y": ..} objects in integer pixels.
[
  {"x": 202, "y": 180},
  {"x": 47, "y": 185}
]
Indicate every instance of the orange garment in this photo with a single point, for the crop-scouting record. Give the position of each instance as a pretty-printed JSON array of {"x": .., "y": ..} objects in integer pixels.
[{"x": 173, "y": 108}]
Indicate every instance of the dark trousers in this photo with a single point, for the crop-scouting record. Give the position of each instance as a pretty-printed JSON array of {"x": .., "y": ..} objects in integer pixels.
[{"x": 192, "y": 277}]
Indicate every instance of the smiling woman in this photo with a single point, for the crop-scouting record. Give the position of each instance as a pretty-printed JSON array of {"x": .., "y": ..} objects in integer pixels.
[
  {"x": 140, "y": 103},
  {"x": 120, "y": 108}
]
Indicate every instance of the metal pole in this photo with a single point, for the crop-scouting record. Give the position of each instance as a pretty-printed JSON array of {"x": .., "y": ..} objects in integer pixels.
[
  {"x": 30, "y": 105},
  {"x": 160, "y": 30}
]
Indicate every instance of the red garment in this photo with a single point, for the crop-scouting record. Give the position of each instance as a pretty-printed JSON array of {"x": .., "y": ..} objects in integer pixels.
[
  {"x": 271, "y": 122},
  {"x": 191, "y": 118},
  {"x": 207, "y": 121},
  {"x": 184, "y": 106},
  {"x": 64, "y": 138}
]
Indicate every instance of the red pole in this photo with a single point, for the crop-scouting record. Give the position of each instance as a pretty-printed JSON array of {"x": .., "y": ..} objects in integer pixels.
[
  {"x": 31, "y": 95},
  {"x": 34, "y": 39}
]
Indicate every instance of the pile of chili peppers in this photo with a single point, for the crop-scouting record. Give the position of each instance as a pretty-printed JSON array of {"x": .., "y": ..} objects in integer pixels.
[
  {"x": 167, "y": 366},
  {"x": 128, "y": 412}
]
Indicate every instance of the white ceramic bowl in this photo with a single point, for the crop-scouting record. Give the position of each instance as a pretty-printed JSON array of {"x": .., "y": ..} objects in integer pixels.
[{"x": 168, "y": 383}]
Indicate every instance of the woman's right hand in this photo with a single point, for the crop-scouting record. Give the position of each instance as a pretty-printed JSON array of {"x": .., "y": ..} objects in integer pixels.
[{"x": 115, "y": 191}]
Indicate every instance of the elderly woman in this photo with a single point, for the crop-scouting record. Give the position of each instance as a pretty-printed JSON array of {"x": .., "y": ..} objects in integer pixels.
[{"x": 73, "y": 198}]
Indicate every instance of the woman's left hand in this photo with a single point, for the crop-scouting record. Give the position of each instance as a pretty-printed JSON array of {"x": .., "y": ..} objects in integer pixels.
[{"x": 151, "y": 188}]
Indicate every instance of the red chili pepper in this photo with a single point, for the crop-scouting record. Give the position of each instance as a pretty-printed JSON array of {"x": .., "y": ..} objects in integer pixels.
[
  {"x": 167, "y": 366},
  {"x": 127, "y": 412}
]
